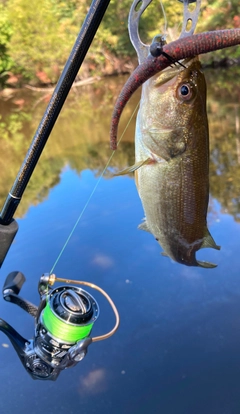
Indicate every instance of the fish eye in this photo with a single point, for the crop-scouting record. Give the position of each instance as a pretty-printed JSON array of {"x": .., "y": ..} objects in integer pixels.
[{"x": 185, "y": 91}]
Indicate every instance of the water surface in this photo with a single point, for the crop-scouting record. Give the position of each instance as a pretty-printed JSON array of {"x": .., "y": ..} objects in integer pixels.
[{"x": 177, "y": 349}]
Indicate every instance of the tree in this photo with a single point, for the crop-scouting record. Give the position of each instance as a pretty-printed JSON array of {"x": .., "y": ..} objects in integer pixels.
[{"x": 5, "y": 36}]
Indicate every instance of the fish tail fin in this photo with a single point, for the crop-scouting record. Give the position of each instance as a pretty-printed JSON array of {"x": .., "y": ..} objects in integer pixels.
[
  {"x": 209, "y": 242},
  {"x": 206, "y": 265}
]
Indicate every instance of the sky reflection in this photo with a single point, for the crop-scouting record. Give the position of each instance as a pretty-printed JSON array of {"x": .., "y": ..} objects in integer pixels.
[{"x": 177, "y": 348}]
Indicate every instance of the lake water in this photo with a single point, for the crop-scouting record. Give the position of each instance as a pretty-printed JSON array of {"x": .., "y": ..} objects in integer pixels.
[{"x": 177, "y": 350}]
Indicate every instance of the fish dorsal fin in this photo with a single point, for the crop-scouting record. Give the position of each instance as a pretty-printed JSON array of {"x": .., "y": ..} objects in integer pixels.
[
  {"x": 144, "y": 226},
  {"x": 134, "y": 167},
  {"x": 209, "y": 242},
  {"x": 206, "y": 265}
]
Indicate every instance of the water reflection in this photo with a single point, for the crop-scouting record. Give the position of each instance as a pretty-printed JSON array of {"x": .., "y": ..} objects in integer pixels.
[
  {"x": 81, "y": 137},
  {"x": 94, "y": 383},
  {"x": 177, "y": 349},
  {"x": 224, "y": 112}
]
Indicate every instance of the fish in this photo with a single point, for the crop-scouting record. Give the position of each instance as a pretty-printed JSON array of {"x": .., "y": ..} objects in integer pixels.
[{"x": 172, "y": 162}]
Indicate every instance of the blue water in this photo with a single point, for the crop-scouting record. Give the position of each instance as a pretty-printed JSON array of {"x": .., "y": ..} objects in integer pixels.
[{"x": 177, "y": 350}]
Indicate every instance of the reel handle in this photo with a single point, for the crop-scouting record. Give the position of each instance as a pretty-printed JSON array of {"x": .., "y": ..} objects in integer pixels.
[
  {"x": 11, "y": 289},
  {"x": 14, "y": 282}
]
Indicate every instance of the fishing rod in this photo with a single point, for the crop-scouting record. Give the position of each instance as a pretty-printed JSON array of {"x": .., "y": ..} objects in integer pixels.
[
  {"x": 65, "y": 316},
  {"x": 8, "y": 226}
]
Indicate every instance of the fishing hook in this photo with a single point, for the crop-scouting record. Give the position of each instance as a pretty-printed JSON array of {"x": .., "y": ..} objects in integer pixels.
[{"x": 190, "y": 18}]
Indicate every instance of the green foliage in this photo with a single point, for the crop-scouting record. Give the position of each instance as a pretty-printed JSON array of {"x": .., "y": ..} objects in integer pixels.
[
  {"x": 37, "y": 36},
  {"x": 113, "y": 33},
  {"x": 43, "y": 33},
  {"x": 5, "y": 36},
  {"x": 220, "y": 14}
]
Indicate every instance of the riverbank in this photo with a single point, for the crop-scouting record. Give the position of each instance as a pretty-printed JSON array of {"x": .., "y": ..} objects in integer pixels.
[{"x": 113, "y": 67}]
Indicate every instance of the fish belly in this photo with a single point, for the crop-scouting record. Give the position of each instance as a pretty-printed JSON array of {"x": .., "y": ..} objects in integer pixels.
[{"x": 174, "y": 196}]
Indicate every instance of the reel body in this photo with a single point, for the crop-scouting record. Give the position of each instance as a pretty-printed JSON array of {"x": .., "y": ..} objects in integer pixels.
[
  {"x": 63, "y": 326},
  {"x": 63, "y": 323}
]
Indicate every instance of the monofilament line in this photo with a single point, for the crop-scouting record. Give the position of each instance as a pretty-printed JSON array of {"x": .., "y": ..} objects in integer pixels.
[
  {"x": 91, "y": 195},
  {"x": 165, "y": 19}
]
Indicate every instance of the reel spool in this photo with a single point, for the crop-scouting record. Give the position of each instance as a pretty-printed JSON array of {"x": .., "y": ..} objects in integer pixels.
[
  {"x": 63, "y": 324},
  {"x": 70, "y": 313}
]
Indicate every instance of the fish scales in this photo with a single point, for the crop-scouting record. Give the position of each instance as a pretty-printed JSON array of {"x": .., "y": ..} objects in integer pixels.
[{"x": 172, "y": 141}]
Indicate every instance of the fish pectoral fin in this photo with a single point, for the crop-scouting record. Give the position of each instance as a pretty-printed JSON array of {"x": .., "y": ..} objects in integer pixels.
[
  {"x": 209, "y": 242},
  {"x": 144, "y": 226},
  {"x": 134, "y": 167},
  {"x": 164, "y": 254},
  {"x": 206, "y": 265}
]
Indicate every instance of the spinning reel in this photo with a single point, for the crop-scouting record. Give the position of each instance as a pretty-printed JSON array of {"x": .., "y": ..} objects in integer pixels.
[{"x": 63, "y": 323}]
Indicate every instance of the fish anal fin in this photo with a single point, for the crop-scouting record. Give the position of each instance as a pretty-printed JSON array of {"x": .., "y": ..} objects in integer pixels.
[
  {"x": 209, "y": 242},
  {"x": 144, "y": 226},
  {"x": 164, "y": 254},
  {"x": 135, "y": 167},
  {"x": 206, "y": 265}
]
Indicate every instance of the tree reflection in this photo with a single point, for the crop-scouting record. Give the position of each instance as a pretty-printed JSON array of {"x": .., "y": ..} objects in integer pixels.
[
  {"x": 80, "y": 137},
  {"x": 223, "y": 115}
]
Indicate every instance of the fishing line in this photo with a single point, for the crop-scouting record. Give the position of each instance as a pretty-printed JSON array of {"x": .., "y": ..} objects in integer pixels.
[
  {"x": 165, "y": 19},
  {"x": 60, "y": 329},
  {"x": 92, "y": 193}
]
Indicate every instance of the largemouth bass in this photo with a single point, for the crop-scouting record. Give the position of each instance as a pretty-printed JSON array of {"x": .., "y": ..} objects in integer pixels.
[{"x": 172, "y": 162}]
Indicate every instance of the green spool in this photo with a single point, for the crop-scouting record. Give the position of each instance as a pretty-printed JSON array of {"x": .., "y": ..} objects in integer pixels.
[{"x": 63, "y": 330}]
